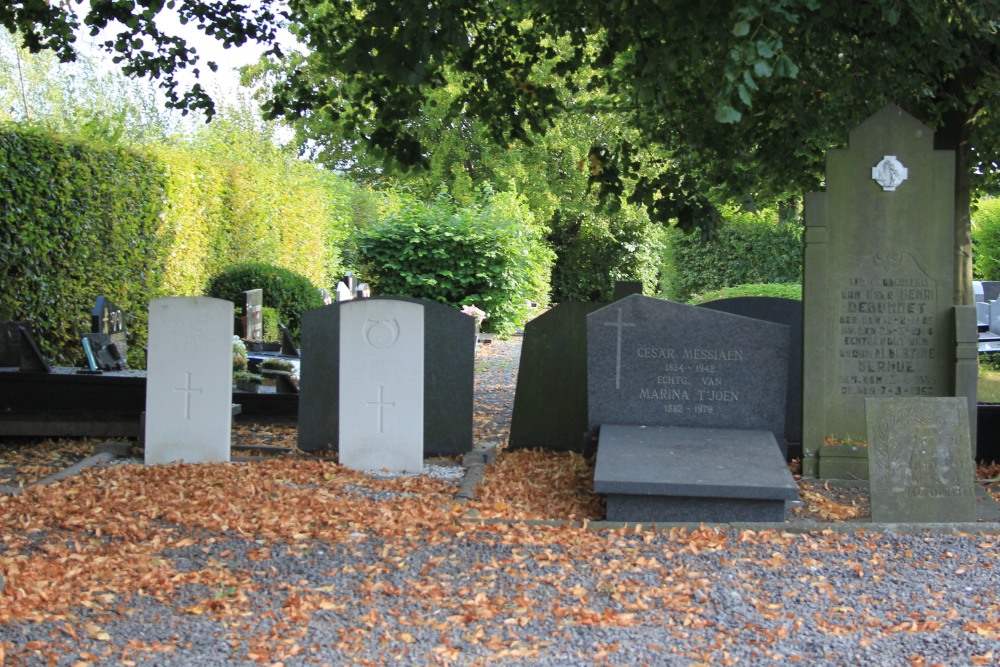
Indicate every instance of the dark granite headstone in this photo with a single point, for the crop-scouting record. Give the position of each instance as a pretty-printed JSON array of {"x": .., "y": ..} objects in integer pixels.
[
  {"x": 32, "y": 358},
  {"x": 448, "y": 376},
  {"x": 789, "y": 313},
  {"x": 920, "y": 461},
  {"x": 654, "y": 362},
  {"x": 10, "y": 343},
  {"x": 879, "y": 279},
  {"x": 550, "y": 401},
  {"x": 250, "y": 315},
  {"x": 661, "y": 473},
  {"x": 107, "y": 318},
  {"x": 624, "y": 288}
]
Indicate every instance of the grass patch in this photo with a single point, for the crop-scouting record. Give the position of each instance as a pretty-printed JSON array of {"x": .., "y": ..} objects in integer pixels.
[{"x": 989, "y": 385}]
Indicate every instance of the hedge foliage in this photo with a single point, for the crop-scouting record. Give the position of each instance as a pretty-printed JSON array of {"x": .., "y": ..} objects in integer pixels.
[
  {"x": 491, "y": 255},
  {"x": 235, "y": 197},
  {"x": 289, "y": 293},
  {"x": 77, "y": 221},
  {"x": 778, "y": 290},
  {"x": 986, "y": 239},
  {"x": 596, "y": 251},
  {"x": 747, "y": 249}
]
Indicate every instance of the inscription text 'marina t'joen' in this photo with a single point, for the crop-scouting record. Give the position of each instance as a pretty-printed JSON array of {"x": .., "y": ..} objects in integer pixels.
[{"x": 690, "y": 380}]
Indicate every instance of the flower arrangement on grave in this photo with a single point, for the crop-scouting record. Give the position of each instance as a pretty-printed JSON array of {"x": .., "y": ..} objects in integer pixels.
[
  {"x": 472, "y": 311},
  {"x": 241, "y": 373},
  {"x": 846, "y": 441},
  {"x": 239, "y": 354}
]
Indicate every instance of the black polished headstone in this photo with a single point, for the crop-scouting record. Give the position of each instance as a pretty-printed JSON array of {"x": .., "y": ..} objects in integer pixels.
[
  {"x": 107, "y": 318},
  {"x": 10, "y": 343},
  {"x": 32, "y": 358},
  {"x": 102, "y": 353},
  {"x": 449, "y": 375}
]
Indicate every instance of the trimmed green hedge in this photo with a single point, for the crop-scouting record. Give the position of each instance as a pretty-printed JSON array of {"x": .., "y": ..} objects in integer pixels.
[
  {"x": 77, "y": 221},
  {"x": 746, "y": 250},
  {"x": 594, "y": 252},
  {"x": 491, "y": 256},
  {"x": 782, "y": 290},
  {"x": 986, "y": 239},
  {"x": 286, "y": 291}
]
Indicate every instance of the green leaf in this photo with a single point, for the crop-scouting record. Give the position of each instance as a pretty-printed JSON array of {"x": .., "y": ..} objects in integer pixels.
[
  {"x": 727, "y": 114},
  {"x": 762, "y": 69},
  {"x": 784, "y": 67},
  {"x": 741, "y": 29},
  {"x": 744, "y": 94}
]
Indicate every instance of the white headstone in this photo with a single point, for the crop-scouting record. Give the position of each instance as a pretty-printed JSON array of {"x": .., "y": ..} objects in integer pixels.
[
  {"x": 995, "y": 316},
  {"x": 978, "y": 293},
  {"x": 382, "y": 386},
  {"x": 189, "y": 382}
]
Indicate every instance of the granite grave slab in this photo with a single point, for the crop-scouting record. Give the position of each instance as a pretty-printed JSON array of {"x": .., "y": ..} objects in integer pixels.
[
  {"x": 654, "y": 362},
  {"x": 662, "y": 473},
  {"x": 789, "y": 313}
]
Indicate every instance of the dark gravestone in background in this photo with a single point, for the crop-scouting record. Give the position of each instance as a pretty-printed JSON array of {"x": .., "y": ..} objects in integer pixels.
[
  {"x": 449, "y": 375},
  {"x": 789, "y": 313},
  {"x": 250, "y": 315},
  {"x": 654, "y": 362},
  {"x": 10, "y": 343},
  {"x": 550, "y": 401},
  {"x": 107, "y": 318},
  {"x": 624, "y": 288}
]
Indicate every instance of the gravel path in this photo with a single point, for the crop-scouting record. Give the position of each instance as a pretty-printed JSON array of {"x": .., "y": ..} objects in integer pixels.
[{"x": 298, "y": 563}]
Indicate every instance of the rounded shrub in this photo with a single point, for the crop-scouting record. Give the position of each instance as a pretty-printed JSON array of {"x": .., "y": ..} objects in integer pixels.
[{"x": 284, "y": 290}]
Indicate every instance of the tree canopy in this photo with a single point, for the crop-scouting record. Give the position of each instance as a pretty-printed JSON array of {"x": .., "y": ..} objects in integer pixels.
[{"x": 743, "y": 96}]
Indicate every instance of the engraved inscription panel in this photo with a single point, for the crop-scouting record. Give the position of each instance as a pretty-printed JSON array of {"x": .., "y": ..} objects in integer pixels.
[
  {"x": 886, "y": 330},
  {"x": 658, "y": 363}
]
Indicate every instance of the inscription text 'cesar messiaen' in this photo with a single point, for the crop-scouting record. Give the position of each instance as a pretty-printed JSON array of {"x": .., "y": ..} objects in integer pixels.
[
  {"x": 885, "y": 336},
  {"x": 691, "y": 380}
]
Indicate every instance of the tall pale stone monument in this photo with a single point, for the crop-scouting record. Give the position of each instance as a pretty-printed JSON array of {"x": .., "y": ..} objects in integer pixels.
[{"x": 879, "y": 288}]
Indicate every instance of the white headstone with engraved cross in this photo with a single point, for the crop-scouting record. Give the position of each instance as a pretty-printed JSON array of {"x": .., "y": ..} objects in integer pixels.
[
  {"x": 189, "y": 383},
  {"x": 382, "y": 385}
]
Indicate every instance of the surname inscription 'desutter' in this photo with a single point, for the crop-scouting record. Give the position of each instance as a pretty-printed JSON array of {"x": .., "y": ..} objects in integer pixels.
[
  {"x": 690, "y": 380},
  {"x": 886, "y": 332}
]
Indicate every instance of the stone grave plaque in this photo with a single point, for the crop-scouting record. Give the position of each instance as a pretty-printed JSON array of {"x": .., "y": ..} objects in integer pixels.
[
  {"x": 920, "y": 460},
  {"x": 550, "y": 401},
  {"x": 447, "y": 371},
  {"x": 654, "y": 362},
  {"x": 189, "y": 381},
  {"x": 251, "y": 315},
  {"x": 382, "y": 386},
  {"x": 107, "y": 318},
  {"x": 879, "y": 277}
]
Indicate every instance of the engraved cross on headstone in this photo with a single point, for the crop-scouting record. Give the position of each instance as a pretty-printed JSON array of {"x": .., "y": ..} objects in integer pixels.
[
  {"x": 187, "y": 389},
  {"x": 380, "y": 404},
  {"x": 620, "y": 324}
]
